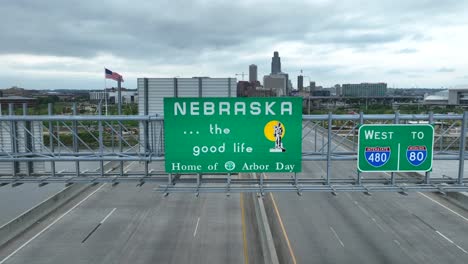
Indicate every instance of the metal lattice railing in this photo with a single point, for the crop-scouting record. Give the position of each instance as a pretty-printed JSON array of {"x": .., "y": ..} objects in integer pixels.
[{"x": 97, "y": 148}]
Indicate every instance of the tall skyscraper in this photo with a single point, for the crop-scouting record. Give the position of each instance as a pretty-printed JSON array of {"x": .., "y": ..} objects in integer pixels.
[
  {"x": 275, "y": 63},
  {"x": 300, "y": 82},
  {"x": 253, "y": 73}
]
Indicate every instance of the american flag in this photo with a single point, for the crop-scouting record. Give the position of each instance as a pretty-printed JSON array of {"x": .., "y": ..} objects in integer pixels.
[{"x": 113, "y": 75}]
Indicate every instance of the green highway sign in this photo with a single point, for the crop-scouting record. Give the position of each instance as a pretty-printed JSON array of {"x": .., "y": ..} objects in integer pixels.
[
  {"x": 397, "y": 147},
  {"x": 227, "y": 135}
]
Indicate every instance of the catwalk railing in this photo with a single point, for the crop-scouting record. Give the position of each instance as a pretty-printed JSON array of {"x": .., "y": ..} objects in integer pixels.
[{"x": 76, "y": 148}]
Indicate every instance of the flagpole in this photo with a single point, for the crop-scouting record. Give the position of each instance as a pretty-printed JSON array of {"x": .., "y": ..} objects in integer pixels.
[{"x": 105, "y": 89}]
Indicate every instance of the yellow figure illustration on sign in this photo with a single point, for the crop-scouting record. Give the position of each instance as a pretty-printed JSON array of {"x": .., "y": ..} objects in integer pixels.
[{"x": 275, "y": 131}]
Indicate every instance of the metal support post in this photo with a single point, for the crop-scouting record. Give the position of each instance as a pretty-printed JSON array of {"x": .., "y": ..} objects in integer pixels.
[
  {"x": 27, "y": 140},
  {"x": 119, "y": 111},
  {"x": 13, "y": 139},
  {"x": 145, "y": 123},
  {"x": 396, "y": 121},
  {"x": 228, "y": 186},
  {"x": 315, "y": 138},
  {"x": 461, "y": 164},
  {"x": 361, "y": 122},
  {"x": 441, "y": 141},
  {"x": 101, "y": 138},
  {"x": 75, "y": 139},
  {"x": 427, "y": 177},
  {"x": 329, "y": 147},
  {"x": 353, "y": 130},
  {"x": 323, "y": 138},
  {"x": 261, "y": 185},
  {"x": 51, "y": 138},
  {"x": 199, "y": 177},
  {"x": 112, "y": 136}
]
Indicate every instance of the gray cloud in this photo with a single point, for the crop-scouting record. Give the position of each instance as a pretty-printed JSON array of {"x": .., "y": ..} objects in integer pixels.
[
  {"x": 407, "y": 51},
  {"x": 395, "y": 71},
  {"x": 146, "y": 35},
  {"x": 444, "y": 69},
  {"x": 170, "y": 30}
]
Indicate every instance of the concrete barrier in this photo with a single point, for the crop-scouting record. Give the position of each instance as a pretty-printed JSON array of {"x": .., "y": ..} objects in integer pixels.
[
  {"x": 18, "y": 225},
  {"x": 458, "y": 198},
  {"x": 268, "y": 245}
]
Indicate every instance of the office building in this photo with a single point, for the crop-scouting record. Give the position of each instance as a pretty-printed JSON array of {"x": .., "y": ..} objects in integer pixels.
[
  {"x": 152, "y": 92},
  {"x": 277, "y": 83},
  {"x": 364, "y": 90},
  {"x": 458, "y": 96},
  {"x": 253, "y": 73},
  {"x": 300, "y": 83},
  {"x": 111, "y": 95},
  {"x": 338, "y": 90},
  {"x": 275, "y": 63},
  {"x": 312, "y": 86}
]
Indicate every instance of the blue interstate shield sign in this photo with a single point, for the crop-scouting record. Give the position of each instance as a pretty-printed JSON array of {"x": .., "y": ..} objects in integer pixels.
[
  {"x": 416, "y": 155},
  {"x": 377, "y": 156}
]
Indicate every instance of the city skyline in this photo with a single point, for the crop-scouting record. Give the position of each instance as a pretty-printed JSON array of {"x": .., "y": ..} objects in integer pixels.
[{"x": 406, "y": 44}]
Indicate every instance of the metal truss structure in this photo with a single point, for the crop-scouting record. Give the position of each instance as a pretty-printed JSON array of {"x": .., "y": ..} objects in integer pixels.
[{"x": 51, "y": 148}]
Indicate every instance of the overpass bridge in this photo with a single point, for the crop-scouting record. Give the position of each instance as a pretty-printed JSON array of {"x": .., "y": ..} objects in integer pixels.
[{"x": 117, "y": 223}]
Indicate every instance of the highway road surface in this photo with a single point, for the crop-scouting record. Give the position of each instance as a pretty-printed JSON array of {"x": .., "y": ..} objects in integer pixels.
[
  {"x": 357, "y": 228},
  {"x": 16, "y": 200},
  {"x": 128, "y": 224}
]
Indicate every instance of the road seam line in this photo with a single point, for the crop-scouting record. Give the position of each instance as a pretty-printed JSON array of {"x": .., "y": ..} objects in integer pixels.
[
  {"x": 50, "y": 225},
  {"x": 196, "y": 227},
  {"x": 336, "y": 235}
]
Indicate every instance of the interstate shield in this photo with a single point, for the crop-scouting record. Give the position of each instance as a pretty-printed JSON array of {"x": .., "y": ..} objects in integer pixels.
[
  {"x": 377, "y": 156},
  {"x": 416, "y": 155}
]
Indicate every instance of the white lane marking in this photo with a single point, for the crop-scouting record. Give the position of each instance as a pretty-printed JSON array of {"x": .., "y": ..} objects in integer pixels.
[
  {"x": 452, "y": 211},
  {"x": 464, "y": 251},
  {"x": 449, "y": 240},
  {"x": 128, "y": 166},
  {"x": 363, "y": 210},
  {"x": 446, "y": 238},
  {"x": 107, "y": 216},
  {"x": 196, "y": 228},
  {"x": 379, "y": 226},
  {"x": 396, "y": 242},
  {"x": 368, "y": 215},
  {"x": 337, "y": 237},
  {"x": 50, "y": 225}
]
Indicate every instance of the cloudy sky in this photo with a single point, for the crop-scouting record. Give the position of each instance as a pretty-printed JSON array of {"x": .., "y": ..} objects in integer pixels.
[{"x": 54, "y": 44}]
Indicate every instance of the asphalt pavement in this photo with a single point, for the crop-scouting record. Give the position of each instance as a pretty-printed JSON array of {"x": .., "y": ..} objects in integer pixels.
[{"x": 16, "y": 200}]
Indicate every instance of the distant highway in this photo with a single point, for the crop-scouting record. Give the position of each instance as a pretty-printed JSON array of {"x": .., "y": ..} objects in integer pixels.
[{"x": 357, "y": 228}]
